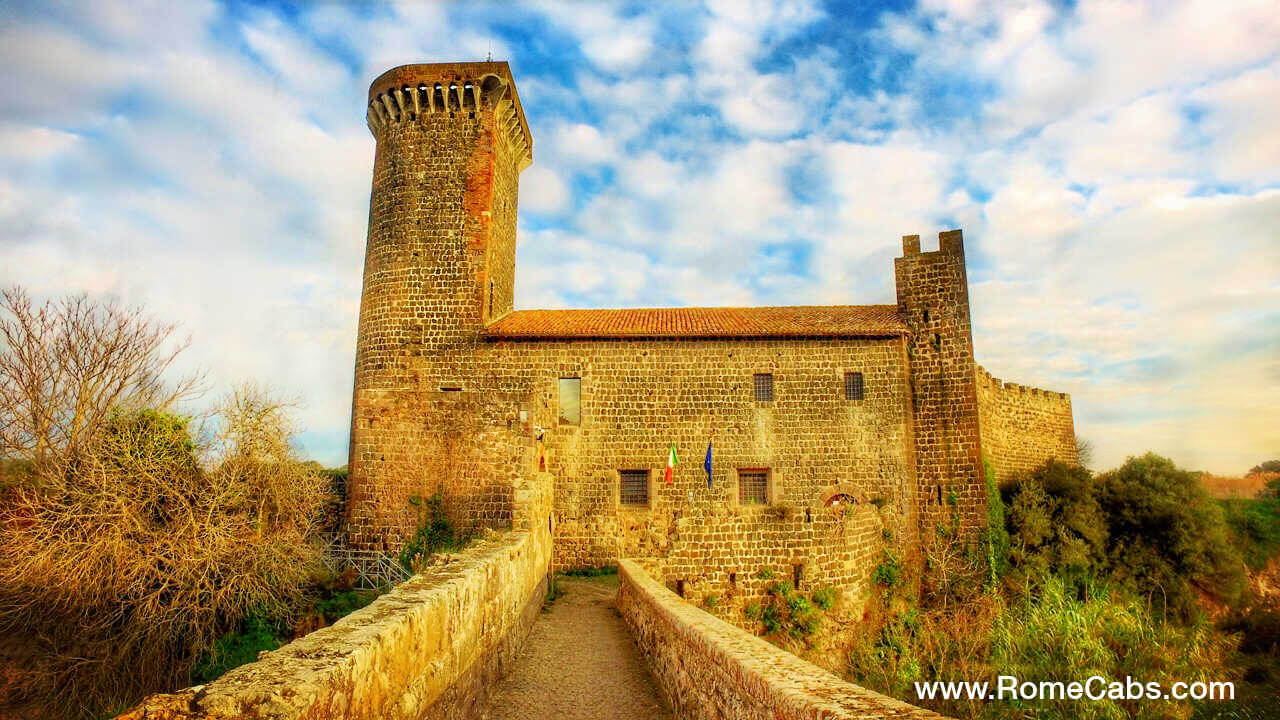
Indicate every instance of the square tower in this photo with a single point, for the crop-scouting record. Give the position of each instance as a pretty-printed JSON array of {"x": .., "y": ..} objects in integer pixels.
[{"x": 933, "y": 300}]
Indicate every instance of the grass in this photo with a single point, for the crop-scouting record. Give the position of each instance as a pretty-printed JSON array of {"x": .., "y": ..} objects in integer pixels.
[
  {"x": 256, "y": 634},
  {"x": 328, "y": 602},
  {"x": 554, "y": 591},
  {"x": 1256, "y": 527},
  {"x": 593, "y": 571}
]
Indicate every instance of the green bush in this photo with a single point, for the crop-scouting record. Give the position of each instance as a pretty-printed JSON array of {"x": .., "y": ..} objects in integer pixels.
[
  {"x": 710, "y": 601},
  {"x": 1167, "y": 536},
  {"x": 771, "y": 618},
  {"x": 342, "y": 603},
  {"x": 1056, "y": 634},
  {"x": 889, "y": 572},
  {"x": 238, "y": 647},
  {"x": 1255, "y": 526},
  {"x": 1055, "y": 525},
  {"x": 798, "y": 604},
  {"x": 786, "y": 609},
  {"x": 995, "y": 539},
  {"x": 825, "y": 597},
  {"x": 435, "y": 534}
]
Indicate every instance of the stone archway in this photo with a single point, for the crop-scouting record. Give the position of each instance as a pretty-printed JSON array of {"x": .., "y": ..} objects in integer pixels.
[{"x": 841, "y": 494}]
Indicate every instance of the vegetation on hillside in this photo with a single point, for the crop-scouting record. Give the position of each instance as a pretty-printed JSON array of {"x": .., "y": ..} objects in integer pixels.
[
  {"x": 1103, "y": 575},
  {"x": 133, "y": 537}
]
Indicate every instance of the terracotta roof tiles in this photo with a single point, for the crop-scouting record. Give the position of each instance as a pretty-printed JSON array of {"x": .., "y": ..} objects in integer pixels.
[{"x": 758, "y": 322}]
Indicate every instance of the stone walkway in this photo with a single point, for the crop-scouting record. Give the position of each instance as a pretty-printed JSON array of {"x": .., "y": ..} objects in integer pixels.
[{"x": 579, "y": 663}]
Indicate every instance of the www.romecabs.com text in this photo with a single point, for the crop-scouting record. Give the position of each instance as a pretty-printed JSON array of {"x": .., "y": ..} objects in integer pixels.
[{"x": 1007, "y": 687}]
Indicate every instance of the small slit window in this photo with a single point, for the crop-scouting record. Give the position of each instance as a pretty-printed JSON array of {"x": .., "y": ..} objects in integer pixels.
[
  {"x": 853, "y": 386},
  {"x": 753, "y": 486},
  {"x": 763, "y": 383},
  {"x": 633, "y": 488},
  {"x": 570, "y": 401}
]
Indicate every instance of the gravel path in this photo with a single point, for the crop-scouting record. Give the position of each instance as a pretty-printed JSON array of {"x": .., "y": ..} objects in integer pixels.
[{"x": 579, "y": 663}]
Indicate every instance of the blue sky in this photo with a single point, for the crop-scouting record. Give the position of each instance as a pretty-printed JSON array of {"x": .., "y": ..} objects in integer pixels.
[{"x": 1115, "y": 167}]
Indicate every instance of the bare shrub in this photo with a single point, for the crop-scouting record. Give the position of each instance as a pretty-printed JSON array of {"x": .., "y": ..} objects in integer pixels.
[
  {"x": 137, "y": 545},
  {"x": 66, "y": 366}
]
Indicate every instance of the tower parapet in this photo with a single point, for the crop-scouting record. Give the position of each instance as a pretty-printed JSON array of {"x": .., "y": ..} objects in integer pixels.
[{"x": 413, "y": 92}]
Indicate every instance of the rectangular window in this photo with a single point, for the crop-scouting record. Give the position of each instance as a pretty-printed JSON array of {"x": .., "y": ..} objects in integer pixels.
[
  {"x": 853, "y": 386},
  {"x": 634, "y": 487},
  {"x": 764, "y": 387},
  {"x": 753, "y": 487},
  {"x": 570, "y": 401}
]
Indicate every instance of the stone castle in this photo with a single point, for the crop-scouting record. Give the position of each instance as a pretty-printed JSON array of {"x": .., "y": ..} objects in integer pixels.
[{"x": 838, "y": 432}]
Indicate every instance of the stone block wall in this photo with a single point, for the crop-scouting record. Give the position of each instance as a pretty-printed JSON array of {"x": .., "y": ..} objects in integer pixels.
[
  {"x": 637, "y": 398},
  {"x": 1023, "y": 426},
  {"x": 432, "y": 647},
  {"x": 439, "y": 264},
  {"x": 711, "y": 670},
  {"x": 933, "y": 299}
]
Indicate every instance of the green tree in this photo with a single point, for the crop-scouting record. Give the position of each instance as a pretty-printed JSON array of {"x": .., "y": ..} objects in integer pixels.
[
  {"x": 1056, "y": 526},
  {"x": 1168, "y": 538}
]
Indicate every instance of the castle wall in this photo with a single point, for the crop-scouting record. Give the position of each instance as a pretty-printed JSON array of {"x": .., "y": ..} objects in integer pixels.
[
  {"x": 1023, "y": 426},
  {"x": 709, "y": 669},
  {"x": 474, "y": 444},
  {"x": 638, "y": 397}
]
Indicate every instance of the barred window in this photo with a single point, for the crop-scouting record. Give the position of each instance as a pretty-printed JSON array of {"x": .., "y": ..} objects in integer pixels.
[
  {"x": 764, "y": 387},
  {"x": 753, "y": 487},
  {"x": 570, "y": 401},
  {"x": 634, "y": 487},
  {"x": 853, "y": 386}
]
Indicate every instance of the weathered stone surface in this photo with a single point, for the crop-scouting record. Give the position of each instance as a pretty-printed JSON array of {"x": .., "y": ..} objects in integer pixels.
[
  {"x": 711, "y": 670},
  {"x": 432, "y": 647},
  {"x": 457, "y": 394},
  {"x": 1023, "y": 426}
]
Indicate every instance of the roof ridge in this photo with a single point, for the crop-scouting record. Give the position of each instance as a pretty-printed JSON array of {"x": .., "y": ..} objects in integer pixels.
[{"x": 701, "y": 322}]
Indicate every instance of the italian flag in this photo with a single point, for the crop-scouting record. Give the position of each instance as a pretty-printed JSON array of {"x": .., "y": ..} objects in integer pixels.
[{"x": 672, "y": 461}]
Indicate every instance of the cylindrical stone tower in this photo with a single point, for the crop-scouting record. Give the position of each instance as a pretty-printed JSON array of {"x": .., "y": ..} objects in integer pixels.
[{"x": 439, "y": 264}]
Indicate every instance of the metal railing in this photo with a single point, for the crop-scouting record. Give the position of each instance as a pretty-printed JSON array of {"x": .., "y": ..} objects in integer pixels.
[{"x": 373, "y": 568}]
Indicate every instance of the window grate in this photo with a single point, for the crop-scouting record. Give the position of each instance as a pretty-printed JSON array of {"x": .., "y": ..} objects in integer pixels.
[
  {"x": 853, "y": 386},
  {"x": 764, "y": 387},
  {"x": 753, "y": 487},
  {"x": 634, "y": 487}
]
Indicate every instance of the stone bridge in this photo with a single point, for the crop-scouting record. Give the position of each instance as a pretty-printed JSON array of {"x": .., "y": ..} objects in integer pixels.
[{"x": 469, "y": 639}]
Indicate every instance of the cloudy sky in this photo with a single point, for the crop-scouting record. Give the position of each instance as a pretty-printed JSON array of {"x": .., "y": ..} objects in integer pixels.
[{"x": 1115, "y": 167}]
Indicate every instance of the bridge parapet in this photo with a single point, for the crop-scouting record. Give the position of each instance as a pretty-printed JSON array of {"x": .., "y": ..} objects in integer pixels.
[
  {"x": 711, "y": 670},
  {"x": 431, "y": 647}
]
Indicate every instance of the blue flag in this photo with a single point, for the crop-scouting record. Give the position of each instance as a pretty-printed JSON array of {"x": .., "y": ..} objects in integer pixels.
[{"x": 707, "y": 464}]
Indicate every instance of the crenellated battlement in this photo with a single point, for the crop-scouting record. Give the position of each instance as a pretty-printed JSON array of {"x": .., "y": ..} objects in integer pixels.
[
  {"x": 1022, "y": 426},
  {"x": 996, "y": 384},
  {"x": 412, "y": 93}
]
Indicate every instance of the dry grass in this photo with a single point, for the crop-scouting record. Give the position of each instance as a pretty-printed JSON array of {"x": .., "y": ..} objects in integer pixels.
[
  {"x": 127, "y": 546},
  {"x": 1236, "y": 488},
  {"x": 130, "y": 567}
]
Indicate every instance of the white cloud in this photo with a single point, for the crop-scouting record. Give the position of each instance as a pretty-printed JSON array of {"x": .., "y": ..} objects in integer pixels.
[
  {"x": 580, "y": 144},
  {"x": 1241, "y": 123},
  {"x": 26, "y": 143},
  {"x": 612, "y": 42},
  {"x": 541, "y": 190}
]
